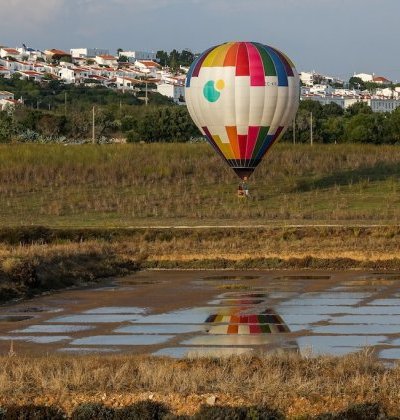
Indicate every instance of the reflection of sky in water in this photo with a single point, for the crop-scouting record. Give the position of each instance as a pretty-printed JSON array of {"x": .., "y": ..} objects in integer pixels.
[
  {"x": 121, "y": 340},
  {"x": 330, "y": 310},
  {"x": 160, "y": 329},
  {"x": 50, "y": 329},
  {"x": 316, "y": 301},
  {"x": 357, "y": 329},
  {"x": 312, "y": 310},
  {"x": 336, "y": 345},
  {"x": 38, "y": 339},
  {"x": 303, "y": 319},
  {"x": 369, "y": 319},
  {"x": 82, "y": 350},
  {"x": 393, "y": 353},
  {"x": 238, "y": 302},
  {"x": 385, "y": 302},
  {"x": 180, "y": 352},
  {"x": 116, "y": 310}
]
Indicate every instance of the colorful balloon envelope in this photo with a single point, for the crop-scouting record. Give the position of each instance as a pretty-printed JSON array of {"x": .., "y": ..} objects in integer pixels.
[{"x": 242, "y": 96}]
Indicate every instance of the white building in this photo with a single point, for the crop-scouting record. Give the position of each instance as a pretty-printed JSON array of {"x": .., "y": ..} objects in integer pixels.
[
  {"x": 322, "y": 89},
  {"x": 106, "y": 60},
  {"x": 31, "y": 75},
  {"x": 132, "y": 56},
  {"x": 6, "y": 95},
  {"x": 384, "y": 105},
  {"x": 4, "y": 72},
  {"x": 365, "y": 77},
  {"x": 150, "y": 68},
  {"x": 10, "y": 52},
  {"x": 174, "y": 91},
  {"x": 73, "y": 75},
  {"x": 128, "y": 83},
  {"x": 7, "y": 101},
  {"x": 88, "y": 52},
  {"x": 30, "y": 54},
  {"x": 307, "y": 78}
]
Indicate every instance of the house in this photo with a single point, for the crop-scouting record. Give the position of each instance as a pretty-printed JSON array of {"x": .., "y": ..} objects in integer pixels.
[
  {"x": 133, "y": 56},
  {"x": 5, "y": 72},
  {"x": 174, "y": 91},
  {"x": 365, "y": 77},
  {"x": 31, "y": 75},
  {"x": 30, "y": 54},
  {"x": 384, "y": 105},
  {"x": 322, "y": 89},
  {"x": 88, "y": 52},
  {"x": 55, "y": 54},
  {"x": 10, "y": 52},
  {"x": 6, "y": 95},
  {"x": 128, "y": 83},
  {"x": 7, "y": 101},
  {"x": 106, "y": 60},
  {"x": 149, "y": 67},
  {"x": 307, "y": 78},
  {"x": 381, "y": 80},
  {"x": 73, "y": 75}
]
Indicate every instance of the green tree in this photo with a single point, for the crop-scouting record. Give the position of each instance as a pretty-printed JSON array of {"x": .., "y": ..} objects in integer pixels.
[
  {"x": 332, "y": 110},
  {"x": 367, "y": 128},
  {"x": 358, "y": 108},
  {"x": 163, "y": 57},
  {"x": 356, "y": 83},
  {"x": 6, "y": 127}
]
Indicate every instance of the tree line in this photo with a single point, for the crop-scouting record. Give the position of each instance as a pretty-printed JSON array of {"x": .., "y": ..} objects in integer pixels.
[
  {"x": 54, "y": 112},
  {"x": 356, "y": 124}
]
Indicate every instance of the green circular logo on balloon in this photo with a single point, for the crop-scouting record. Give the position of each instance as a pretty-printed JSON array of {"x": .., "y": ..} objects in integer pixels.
[{"x": 212, "y": 90}]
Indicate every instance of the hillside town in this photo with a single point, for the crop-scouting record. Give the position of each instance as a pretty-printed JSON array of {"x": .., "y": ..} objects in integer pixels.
[
  {"x": 379, "y": 93},
  {"x": 129, "y": 71}
]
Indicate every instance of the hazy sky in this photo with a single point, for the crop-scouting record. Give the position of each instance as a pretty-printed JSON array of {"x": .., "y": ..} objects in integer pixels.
[{"x": 337, "y": 37}]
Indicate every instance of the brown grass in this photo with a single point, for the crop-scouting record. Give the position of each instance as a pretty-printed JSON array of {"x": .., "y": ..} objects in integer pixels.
[
  {"x": 292, "y": 385},
  {"x": 128, "y": 185},
  {"x": 61, "y": 258}
]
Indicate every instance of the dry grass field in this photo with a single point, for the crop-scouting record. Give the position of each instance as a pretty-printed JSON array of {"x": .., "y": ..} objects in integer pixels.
[
  {"x": 37, "y": 259},
  {"x": 282, "y": 386},
  {"x": 187, "y": 184}
]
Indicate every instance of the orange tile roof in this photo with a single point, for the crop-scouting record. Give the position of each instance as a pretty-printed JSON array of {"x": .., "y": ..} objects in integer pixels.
[
  {"x": 107, "y": 57},
  {"x": 380, "y": 79},
  {"x": 11, "y": 51},
  {"x": 149, "y": 63},
  {"x": 54, "y": 51}
]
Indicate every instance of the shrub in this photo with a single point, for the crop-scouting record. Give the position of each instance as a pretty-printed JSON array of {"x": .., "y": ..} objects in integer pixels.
[
  {"x": 23, "y": 273},
  {"x": 32, "y": 412},
  {"x": 143, "y": 410},
  {"x": 92, "y": 411}
]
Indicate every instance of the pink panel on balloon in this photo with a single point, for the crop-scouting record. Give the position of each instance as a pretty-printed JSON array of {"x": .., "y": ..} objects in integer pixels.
[
  {"x": 257, "y": 74},
  {"x": 251, "y": 141}
]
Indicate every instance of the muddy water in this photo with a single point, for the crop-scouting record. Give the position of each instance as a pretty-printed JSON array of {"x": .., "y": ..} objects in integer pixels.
[{"x": 213, "y": 313}]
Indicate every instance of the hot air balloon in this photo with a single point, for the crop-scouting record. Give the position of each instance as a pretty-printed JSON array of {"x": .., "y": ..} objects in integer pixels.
[{"x": 242, "y": 96}]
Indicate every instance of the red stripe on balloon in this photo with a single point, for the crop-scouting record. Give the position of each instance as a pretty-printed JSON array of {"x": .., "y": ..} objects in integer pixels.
[
  {"x": 242, "y": 139},
  {"x": 257, "y": 74},
  {"x": 242, "y": 61},
  {"x": 251, "y": 141}
]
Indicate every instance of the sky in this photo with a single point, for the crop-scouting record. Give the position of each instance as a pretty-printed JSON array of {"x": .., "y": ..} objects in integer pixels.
[{"x": 333, "y": 37}]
